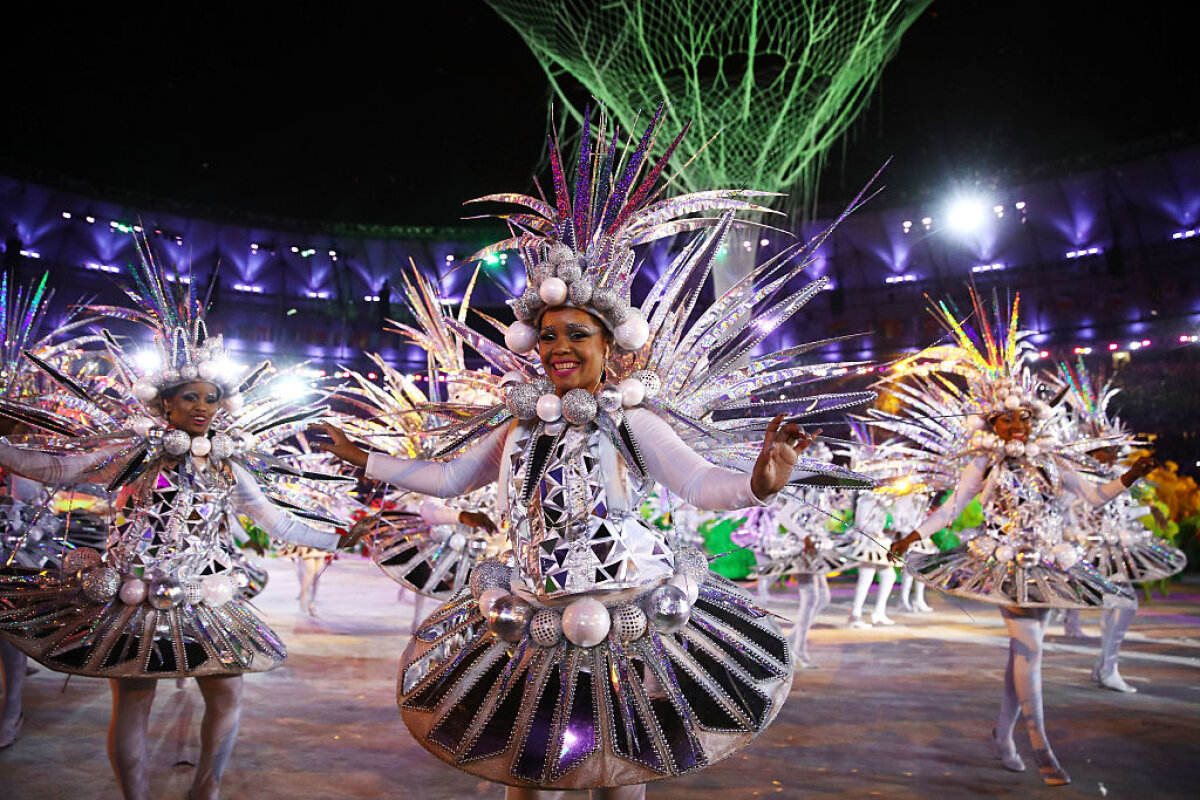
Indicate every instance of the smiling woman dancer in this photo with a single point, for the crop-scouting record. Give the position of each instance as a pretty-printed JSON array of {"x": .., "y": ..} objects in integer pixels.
[
  {"x": 597, "y": 655},
  {"x": 167, "y": 598},
  {"x": 1013, "y": 458}
]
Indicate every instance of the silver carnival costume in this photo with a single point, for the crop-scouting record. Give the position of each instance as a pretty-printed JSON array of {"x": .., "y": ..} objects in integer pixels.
[
  {"x": 1112, "y": 537},
  {"x": 979, "y": 421},
  {"x": 166, "y": 599},
  {"x": 601, "y": 655}
]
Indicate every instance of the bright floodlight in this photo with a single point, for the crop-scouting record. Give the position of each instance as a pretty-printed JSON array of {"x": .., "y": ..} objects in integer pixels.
[
  {"x": 291, "y": 388},
  {"x": 147, "y": 360},
  {"x": 966, "y": 215}
]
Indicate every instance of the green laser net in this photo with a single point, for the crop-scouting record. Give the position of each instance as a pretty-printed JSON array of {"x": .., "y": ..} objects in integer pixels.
[{"x": 782, "y": 80}]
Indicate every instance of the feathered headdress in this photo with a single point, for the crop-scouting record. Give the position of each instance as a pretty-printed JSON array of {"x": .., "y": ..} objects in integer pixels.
[
  {"x": 578, "y": 251},
  {"x": 185, "y": 350}
]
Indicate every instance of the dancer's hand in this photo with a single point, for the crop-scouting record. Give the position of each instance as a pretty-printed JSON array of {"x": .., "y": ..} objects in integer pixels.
[
  {"x": 781, "y": 448},
  {"x": 475, "y": 519},
  {"x": 357, "y": 531},
  {"x": 1140, "y": 469},
  {"x": 339, "y": 445},
  {"x": 900, "y": 547}
]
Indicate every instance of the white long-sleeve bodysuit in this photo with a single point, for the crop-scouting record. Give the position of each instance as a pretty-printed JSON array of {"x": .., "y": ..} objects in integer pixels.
[{"x": 581, "y": 530}]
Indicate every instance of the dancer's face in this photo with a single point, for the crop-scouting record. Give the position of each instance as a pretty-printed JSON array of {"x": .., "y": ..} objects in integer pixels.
[
  {"x": 1105, "y": 455},
  {"x": 573, "y": 346},
  {"x": 192, "y": 406},
  {"x": 1012, "y": 425}
]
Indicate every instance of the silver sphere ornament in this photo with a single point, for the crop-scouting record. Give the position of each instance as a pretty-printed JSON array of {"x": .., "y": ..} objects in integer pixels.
[
  {"x": 628, "y": 622},
  {"x": 508, "y": 617},
  {"x": 650, "y": 380},
  {"x": 667, "y": 607},
  {"x": 618, "y": 314},
  {"x": 549, "y": 408},
  {"x": 579, "y": 407},
  {"x": 1014, "y": 448},
  {"x": 176, "y": 442},
  {"x": 101, "y": 584},
  {"x": 1027, "y": 557},
  {"x": 489, "y": 599},
  {"x": 170, "y": 377},
  {"x": 491, "y": 573},
  {"x": 553, "y": 291},
  {"x": 477, "y": 547},
  {"x": 1004, "y": 553},
  {"x": 193, "y": 592},
  {"x": 586, "y": 622},
  {"x": 241, "y": 578},
  {"x": 561, "y": 254},
  {"x": 609, "y": 398},
  {"x": 133, "y": 591},
  {"x": 580, "y": 292},
  {"x": 570, "y": 272},
  {"x": 1066, "y": 555},
  {"x": 603, "y": 300},
  {"x": 545, "y": 627},
  {"x": 80, "y": 559},
  {"x": 521, "y": 399},
  {"x": 189, "y": 372},
  {"x": 164, "y": 594},
  {"x": 543, "y": 385},
  {"x": 222, "y": 446}
]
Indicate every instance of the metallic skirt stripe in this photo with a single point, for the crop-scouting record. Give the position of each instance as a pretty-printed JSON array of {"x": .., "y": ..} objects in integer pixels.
[{"x": 568, "y": 717}]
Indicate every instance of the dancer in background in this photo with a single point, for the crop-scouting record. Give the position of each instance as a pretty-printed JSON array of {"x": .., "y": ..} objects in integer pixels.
[
  {"x": 165, "y": 600},
  {"x": 1007, "y": 451},
  {"x": 31, "y": 534},
  {"x": 1113, "y": 538},
  {"x": 505, "y": 682}
]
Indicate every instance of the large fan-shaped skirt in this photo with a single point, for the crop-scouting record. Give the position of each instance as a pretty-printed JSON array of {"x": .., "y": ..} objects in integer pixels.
[
  {"x": 822, "y": 560},
  {"x": 970, "y": 571},
  {"x": 619, "y": 713},
  {"x": 434, "y": 561},
  {"x": 46, "y": 616},
  {"x": 1147, "y": 558}
]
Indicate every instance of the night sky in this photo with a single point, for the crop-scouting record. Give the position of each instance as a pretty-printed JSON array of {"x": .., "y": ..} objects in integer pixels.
[{"x": 396, "y": 119}]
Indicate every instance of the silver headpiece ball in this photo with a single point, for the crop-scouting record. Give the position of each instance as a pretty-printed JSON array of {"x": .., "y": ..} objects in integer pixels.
[
  {"x": 667, "y": 608},
  {"x": 545, "y": 627},
  {"x": 579, "y": 406},
  {"x": 101, "y": 584},
  {"x": 628, "y": 622},
  {"x": 164, "y": 594},
  {"x": 491, "y": 573},
  {"x": 508, "y": 617}
]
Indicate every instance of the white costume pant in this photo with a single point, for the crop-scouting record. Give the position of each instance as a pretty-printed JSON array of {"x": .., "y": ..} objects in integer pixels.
[
  {"x": 866, "y": 574},
  {"x": 128, "y": 728},
  {"x": 1023, "y": 690},
  {"x": 814, "y": 596}
]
